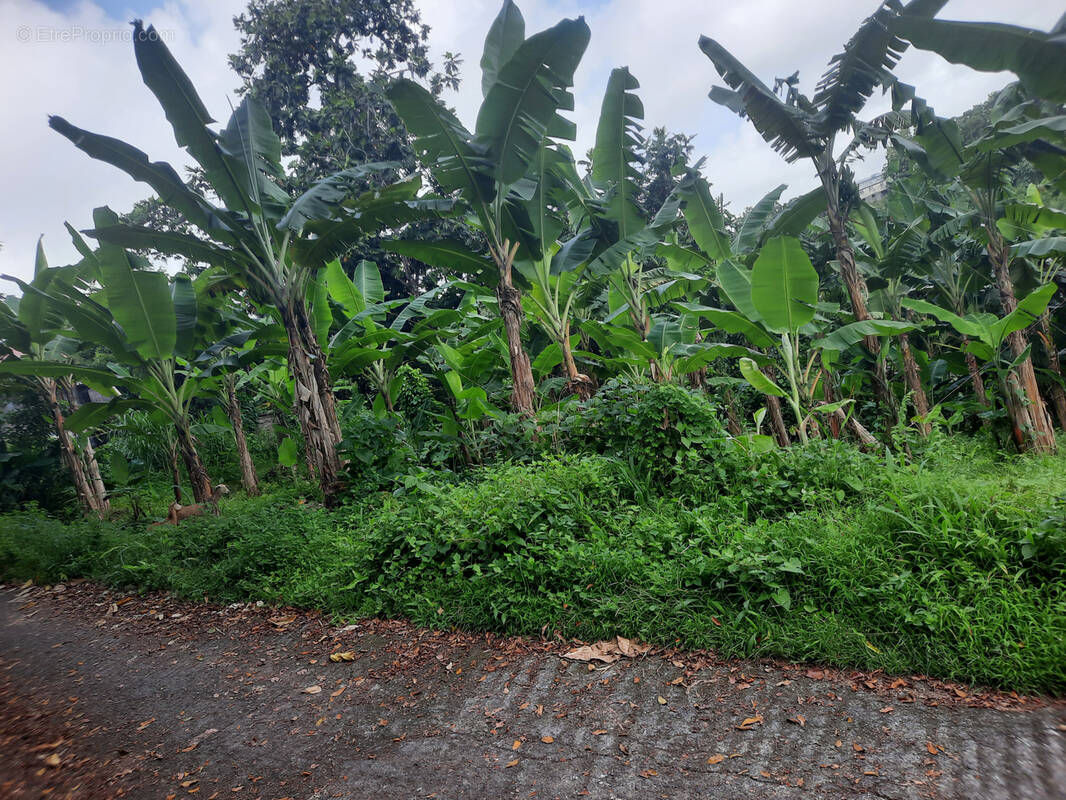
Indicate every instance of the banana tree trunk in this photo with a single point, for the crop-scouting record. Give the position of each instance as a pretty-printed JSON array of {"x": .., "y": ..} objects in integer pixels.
[
  {"x": 849, "y": 273},
  {"x": 914, "y": 383},
  {"x": 175, "y": 473},
  {"x": 777, "y": 420},
  {"x": 316, "y": 407},
  {"x": 509, "y": 300},
  {"x": 198, "y": 477},
  {"x": 1058, "y": 395},
  {"x": 1031, "y": 421},
  {"x": 249, "y": 480},
  {"x": 69, "y": 453},
  {"x": 96, "y": 480},
  {"x": 827, "y": 395},
  {"x": 577, "y": 382},
  {"x": 975, "y": 374},
  {"x": 732, "y": 418}
]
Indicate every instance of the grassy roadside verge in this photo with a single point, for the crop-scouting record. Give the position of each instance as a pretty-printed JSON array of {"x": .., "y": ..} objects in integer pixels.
[{"x": 953, "y": 567}]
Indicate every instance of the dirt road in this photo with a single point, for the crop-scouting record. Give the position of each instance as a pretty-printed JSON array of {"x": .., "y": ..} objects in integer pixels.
[{"x": 107, "y": 695}]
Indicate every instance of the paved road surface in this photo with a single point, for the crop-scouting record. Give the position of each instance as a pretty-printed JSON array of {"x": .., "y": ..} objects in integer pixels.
[{"x": 103, "y": 695}]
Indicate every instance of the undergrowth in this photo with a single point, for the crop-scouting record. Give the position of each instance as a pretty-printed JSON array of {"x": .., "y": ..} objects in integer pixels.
[{"x": 951, "y": 565}]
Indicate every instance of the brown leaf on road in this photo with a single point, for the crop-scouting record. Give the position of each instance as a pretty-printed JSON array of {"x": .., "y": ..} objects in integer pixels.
[
  {"x": 48, "y": 746},
  {"x": 145, "y": 724},
  {"x": 599, "y": 732},
  {"x": 608, "y": 651},
  {"x": 517, "y": 744},
  {"x": 799, "y": 719},
  {"x": 662, "y": 700},
  {"x": 52, "y": 760},
  {"x": 717, "y": 758},
  {"x": 347, "y": 655},
  {"x": 547, "y": 739},
  {"x": 311, "y": 689},
  {"x": 338, "y": 692},
  {"x": 512, "y": 763},
  {"x": 858, "y": 748},
  {"x": 932, "y": 749},
  {"x": 281, "y": 622},
  {"x": 815, "y": 674},
  {"x": 750, "y": 723},
  {"x": 648, "y": 773}
]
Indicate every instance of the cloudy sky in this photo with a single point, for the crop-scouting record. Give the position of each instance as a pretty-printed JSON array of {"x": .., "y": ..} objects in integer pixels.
[{"x": 74, "y": 58}]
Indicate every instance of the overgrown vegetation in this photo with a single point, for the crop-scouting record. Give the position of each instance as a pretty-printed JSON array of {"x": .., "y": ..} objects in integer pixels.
[
  {"x": 581, "y": 397},
  {"x": 951, "y": 566}
]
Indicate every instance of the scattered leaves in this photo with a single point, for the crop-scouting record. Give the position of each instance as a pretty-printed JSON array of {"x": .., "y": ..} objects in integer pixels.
[
  {"x": 608, "y": 651},
  {"x": 717, "y": 758},
  {"x": 312, "y": 689},
  {"x": 547, "y": 739},
  {"x": 750, "y": 723},
  {"x": 346, "y": 655}
]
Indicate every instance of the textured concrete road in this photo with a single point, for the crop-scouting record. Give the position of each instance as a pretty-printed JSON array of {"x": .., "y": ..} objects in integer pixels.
[{"x": 104, "y": 696}]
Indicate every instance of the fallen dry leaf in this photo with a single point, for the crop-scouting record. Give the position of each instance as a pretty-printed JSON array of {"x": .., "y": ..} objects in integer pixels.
[
  {"x": 750, "y": 723},
  {"x": 608, "y": 651},
  {"x": 815, "y": 674},
  {"x": 52, "y": 760},
  {"x": 648, "y": 773},
  {"x": 547, "y": 739},
  {"x": 49, "y": 746},
  {"x": 717, "y": 758},
  {"x": 338, "y": 692},
  {"x": 799, "y": 719},
  {"x": 312, "y": 689},
  {"x": 517, "y": 744},
  {"x": 662, "y": 700},
  {"x": 931, "y": 748},
  {"x": 599, "y": 732},
  {"x": 281, "y": 622},
  {"x": 347, "y": 655},
  {"x": 145, "y": 724},
  {"x": 512, "y": 763},
  {"x": 858, "y": 748}
]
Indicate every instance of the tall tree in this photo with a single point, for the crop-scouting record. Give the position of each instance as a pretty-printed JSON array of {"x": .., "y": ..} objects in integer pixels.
[
  {"x": 525, "y": 83},
  {"x": 800, "y": 127}
]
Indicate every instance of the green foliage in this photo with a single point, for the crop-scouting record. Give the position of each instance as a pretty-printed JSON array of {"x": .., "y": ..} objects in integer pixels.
[{"x": 951, "y": 567}]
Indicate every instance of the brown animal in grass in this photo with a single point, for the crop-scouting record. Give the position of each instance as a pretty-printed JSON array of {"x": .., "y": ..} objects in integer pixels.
[{"x": 177, "y": 512}]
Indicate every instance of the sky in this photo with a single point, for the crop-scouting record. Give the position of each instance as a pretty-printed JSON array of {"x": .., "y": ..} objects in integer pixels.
[{"x": 75, "y": 58}]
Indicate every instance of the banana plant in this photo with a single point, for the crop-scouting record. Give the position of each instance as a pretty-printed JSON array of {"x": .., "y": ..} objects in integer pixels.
[
  {"x": 525, "y": 85},
  {"x": 800, "y": 127},
  {"x": 32, "y": 330},
  {"x": 265, "y": 240},
  {"x": 777, "y": 306},
  {"x": 987, "y": 336},
  {"x": 1028, "y": 226},
  {"x": 147, "y": 322},
  {"x": 1023, "y": 129}
]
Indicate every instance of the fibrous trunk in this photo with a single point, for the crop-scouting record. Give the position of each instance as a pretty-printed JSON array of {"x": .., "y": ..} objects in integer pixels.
[
  {"x": 1031, "y": 422},
  {"x": 1058, "y": 395},
  {"x": 85, "y": 493},
  {"x": 316, "y": 407},
  {"x": 96, "y": 480},
  {"x": 777, "y": 420},
  {"x": 249, "y": 480},
  {"x": 975, "y": 374},
  {"x": 577, "y": 382},
  {"x": 914, "y": 384},
  {"x": 849, "y": 273},
  {"x": 509, "y": 300},
  {"x": 198, "y": 477}
]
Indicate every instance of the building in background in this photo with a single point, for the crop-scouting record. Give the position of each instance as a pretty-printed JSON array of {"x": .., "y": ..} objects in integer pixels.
[{"x": 873, "y": 189}]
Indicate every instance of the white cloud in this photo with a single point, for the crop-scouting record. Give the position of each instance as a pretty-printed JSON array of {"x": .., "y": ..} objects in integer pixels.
[{"x": 95, "y": 85}]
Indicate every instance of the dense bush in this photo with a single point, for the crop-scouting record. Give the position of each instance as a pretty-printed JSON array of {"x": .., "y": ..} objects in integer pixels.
[{"x": 953, "y": 566}]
